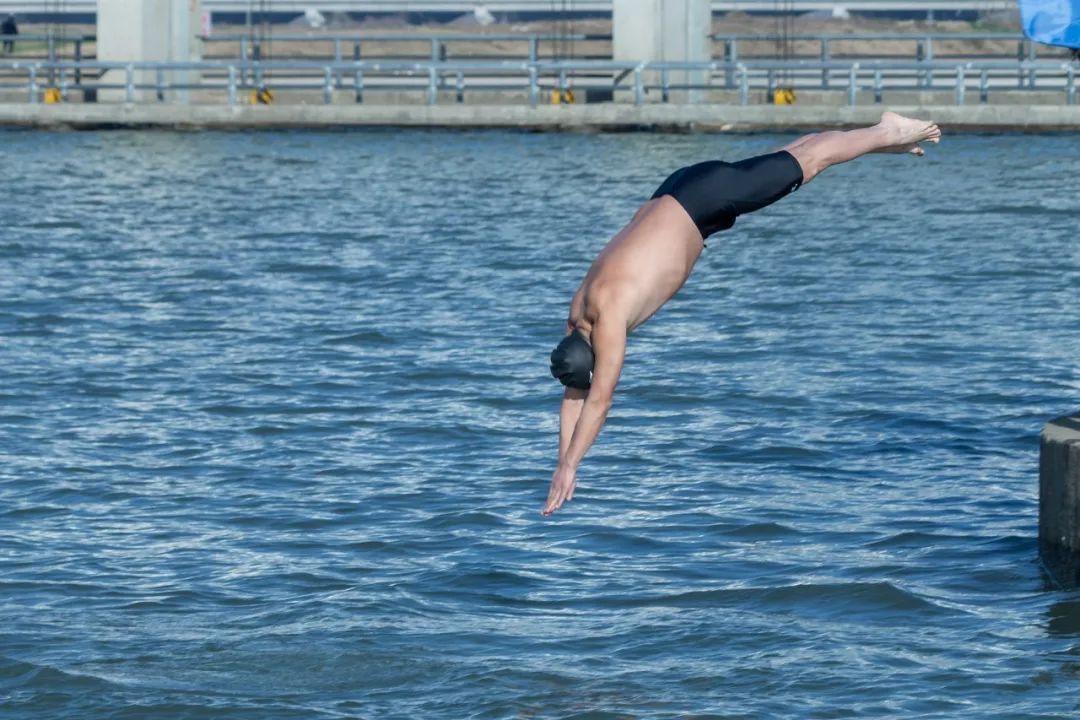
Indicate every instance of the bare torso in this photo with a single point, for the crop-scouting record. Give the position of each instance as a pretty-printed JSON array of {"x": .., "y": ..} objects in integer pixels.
[{"x": 640, "y": 269}]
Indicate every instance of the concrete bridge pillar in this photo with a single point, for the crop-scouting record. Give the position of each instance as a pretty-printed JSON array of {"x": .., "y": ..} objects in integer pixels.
[
  {"x": 1059, "y": 499},
  {"x": 149, "y": 31},
  {"x": 665, "y": 31}
]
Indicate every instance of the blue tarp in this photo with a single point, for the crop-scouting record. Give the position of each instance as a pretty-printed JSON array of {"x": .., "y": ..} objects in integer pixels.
[{"x": 1053, "y": 22}]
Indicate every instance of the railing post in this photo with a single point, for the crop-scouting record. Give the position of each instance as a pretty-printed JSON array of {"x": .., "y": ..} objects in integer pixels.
[
  {"x": 960, "y": 85},
  {"x": 771, "y": 84},
  {"x": 1032, "y": 57},
  {"x": 733, "y": 56},
  {"x": 337, "y": 61},
  {"x": 244, "y": 53},
  {"x": 1020, "y": 52},
  {"x": 434, "y": 49},
  {"x": 328, "y": 85},
  {"x": 359, "y": 85},
  {"x": 533, "y": 52},
  {"x": 824, "y": 61},
  {"x": 433, "y": 85},
  {"x": 232, "y": 84},
  {"x": 929, "y": 76},
  {"x": 744, "y": 85},
  {"x": 639, "y": 87},
  {"x": 877, "y": 86},
  {"x": 920, "y": 57},
  {"x": 853, "y": 85},
  {"x": 460, "y": 86},
  {"x": 78, "y": 61},
  {"x": 159, "y": 81},
  {"x": 356, "y": 50},
  {"x": 32, "y": 84},
  {"x": 665, "y": 90},
  {"x": 984, "y": 86},
  {"x": 129, "y": 82},
  {"x": 563, "y": 86},
  {"x": 1070, "y": 84},
  {"x": 729, "y": 71},
  {"x": 534, "y": 86}
]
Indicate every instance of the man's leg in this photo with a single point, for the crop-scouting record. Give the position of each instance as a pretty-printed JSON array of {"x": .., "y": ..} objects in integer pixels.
[{"x": 894, "y": 133}]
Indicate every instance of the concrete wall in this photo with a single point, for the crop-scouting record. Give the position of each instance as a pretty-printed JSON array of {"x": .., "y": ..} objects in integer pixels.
[
  {"x": 149, "y": 31},
  {"x": 1059, "y": 499},
  {"x": 666, "y": 31}
]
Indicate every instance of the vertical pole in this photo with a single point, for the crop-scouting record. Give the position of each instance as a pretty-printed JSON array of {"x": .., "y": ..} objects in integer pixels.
[
  {"x": 771, "y": 84},
  {"x": 960, "y": 85},
  {"x": 1070, "y": 84},
  {"x": 920, "y": 57},
  {"x": 359, "y": 85},
  {"x": 1032, "y": 58},
  {"x": 733, "y": 58},
  {"x": 32, "y": 84},
  {"x": 929, "y": 59},
  {"x": 460, "y": 86},
  {"x": 1020, "y": 59},
  {"x": 639, "y": 88},
  {"x": 433, "y": 85},
  {"x": 664, "y": 88},
  {"x": 825, "y": 56},
  {"x": 534, "y": 86},
  {"x": 744, "y": 85},
  {"x": 337, "y": 61},
  {"x": 853, "y": 86},
  {"x": 729, "y": 59},
  {"x": 328, "y": 85},
  {"x": 232, "y": 84},
  {"x": 984, "y": 86},
  {"x": 78, "y": 62},
  {"x": 244, "y": 50},
  {"x": 129, "y": 81},
  {"x": 533, "y": 52},
  {"x": 356, "y": 50},
  {"x": 160, "y": 84},
  {"x": 877, "y": 86},
  {"x": 52, "y": 59},
  {"x": 434, "y": 49}
]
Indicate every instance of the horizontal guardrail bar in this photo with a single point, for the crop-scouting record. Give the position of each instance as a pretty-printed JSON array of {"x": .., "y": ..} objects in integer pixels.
[
  {"x": 535, "y": 6},
  {"x": 612, "y": 65}
]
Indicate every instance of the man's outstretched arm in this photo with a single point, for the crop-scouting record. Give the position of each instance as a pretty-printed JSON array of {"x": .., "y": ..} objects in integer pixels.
[{"x": 609, "y": 347}]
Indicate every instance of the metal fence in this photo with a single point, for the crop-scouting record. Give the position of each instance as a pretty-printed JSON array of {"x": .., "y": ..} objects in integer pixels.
[{"x": 632, "y": 82}]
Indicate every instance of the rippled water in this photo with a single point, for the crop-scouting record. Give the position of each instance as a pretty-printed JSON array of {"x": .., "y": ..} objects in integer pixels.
[{"x": 276, "y": 426}]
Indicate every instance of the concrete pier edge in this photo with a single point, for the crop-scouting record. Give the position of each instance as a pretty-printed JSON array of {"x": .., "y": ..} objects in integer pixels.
[
  {"x": 1059, "y": 499},
  {"x": 583, "y": 117}
]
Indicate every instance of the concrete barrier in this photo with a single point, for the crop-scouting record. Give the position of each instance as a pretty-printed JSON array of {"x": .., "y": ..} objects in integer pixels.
[
  {"x": 600, "y": 116},
  {"x": 1059, "y": 499}
]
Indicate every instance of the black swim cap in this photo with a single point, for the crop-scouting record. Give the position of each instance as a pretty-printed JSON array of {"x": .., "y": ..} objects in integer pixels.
[{"x": 572, "y": 361}]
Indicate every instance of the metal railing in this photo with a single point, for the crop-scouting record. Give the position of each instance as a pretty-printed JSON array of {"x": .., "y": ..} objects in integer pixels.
[
  {"x": 623, "y": 79},
  {"x": 925, "y": 44}
]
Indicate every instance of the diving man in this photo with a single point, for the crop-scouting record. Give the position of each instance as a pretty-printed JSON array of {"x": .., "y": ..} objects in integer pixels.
[{"x": 647, "y": 262}]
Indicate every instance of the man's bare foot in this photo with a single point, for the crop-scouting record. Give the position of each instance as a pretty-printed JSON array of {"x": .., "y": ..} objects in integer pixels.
[{"x": 905, "y": 134}]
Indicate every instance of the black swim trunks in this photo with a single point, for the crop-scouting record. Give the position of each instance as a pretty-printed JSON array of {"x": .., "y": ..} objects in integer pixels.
[{"x": 714, "y": 193}]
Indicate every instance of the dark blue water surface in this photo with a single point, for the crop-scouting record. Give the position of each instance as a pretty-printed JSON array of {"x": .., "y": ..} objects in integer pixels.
[{"x": 276, "y": 425}]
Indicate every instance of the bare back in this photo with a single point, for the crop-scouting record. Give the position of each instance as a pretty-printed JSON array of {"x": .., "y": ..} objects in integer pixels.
[{"x": 640, "y": 269}]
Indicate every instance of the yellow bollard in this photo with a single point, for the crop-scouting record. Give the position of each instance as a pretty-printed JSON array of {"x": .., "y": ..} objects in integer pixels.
[
  {"x": 784, "y": 96},
  {"x": 52, "y": 96},
  {"x": 262, "y": 96},
  {"x": 562, "y": 97}
]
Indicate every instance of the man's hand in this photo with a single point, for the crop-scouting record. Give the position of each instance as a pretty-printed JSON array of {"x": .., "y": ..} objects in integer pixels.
[{"x": 562, "y": 488}]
